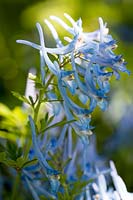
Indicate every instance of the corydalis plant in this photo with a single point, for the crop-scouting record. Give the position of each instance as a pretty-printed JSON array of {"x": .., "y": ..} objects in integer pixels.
[
  {"x": 82, "y": 69},
  {"x": 74, "y": 82}
]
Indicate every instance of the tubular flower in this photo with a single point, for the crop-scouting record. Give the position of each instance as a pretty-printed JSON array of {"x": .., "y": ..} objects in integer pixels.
[
  {"x": 82, "y": 70},
  {"x": 92, "y": 61}
]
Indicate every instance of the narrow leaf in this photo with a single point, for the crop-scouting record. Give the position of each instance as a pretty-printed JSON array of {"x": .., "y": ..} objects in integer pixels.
[
  {"x": 58, "y": 124},
  {"x": 29, "y": 163},
  {"x": 20, "y": 97}
]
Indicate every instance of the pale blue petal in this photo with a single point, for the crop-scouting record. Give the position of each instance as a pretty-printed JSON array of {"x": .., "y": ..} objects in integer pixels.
[
  {"x": 43, "y": 191},
  {"x": 34, "y": 193},
  {"x": 62, "y": 136},
  {"x": 70, "y": 142},
  {"x": 81, "y": 85},
  {"x": 74, "y": 107},
  {"x": 54, "y": 183},
  {"x": 87, "y": 193},
  {"x": 42, "y": 65},
  {"x": 83, "y": 98},
  {"x": 63, "y": 24},
  {"x": 43, "y": 49},
  {"x": 103, "y": 104},
  {"x": 65, "y": 49},
  {"x": 70, "y": 170},
  {"x": 48, "y": 170},
  {"x": 60, "y": 50},
  {"x": 35, "y": 46},
  {"x": 74, "y": 24},
  {"x": 101, "y": 29},
  {"x": 54, "y": 33}
]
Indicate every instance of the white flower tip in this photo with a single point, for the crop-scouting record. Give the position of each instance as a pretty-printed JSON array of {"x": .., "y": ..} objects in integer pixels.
[
  {"x": 95, "y": 187},
  {"x": 21, "y": 41},
  {"x": 52, "y": 17},
  {"x": 106, "y": 31},
  {"x": 18, "y": 41},
  {"x": 79, "y": 22},
  {"x": 38, "y": 24},
  {"x": 50, "y": 26},
  {"x": 68, "y": 39},
  {"x": 103, "y": 26},
  {"x": 46, "y": 21},
  {"x": 111, "y": 163},
  {"x": 100, "y": 20},
  {"x": 66, "y": 15},
  {"x": 112, "y": 166}
]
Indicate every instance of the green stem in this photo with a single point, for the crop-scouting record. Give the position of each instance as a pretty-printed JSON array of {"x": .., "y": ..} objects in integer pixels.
[
  {"x": 40, "y": 99},
  {"x": 36, "y": 109},
  {"x": 16, "y": 186},
  {"x": 49, "y": 81},
  {"x": 67, "y": 196}
]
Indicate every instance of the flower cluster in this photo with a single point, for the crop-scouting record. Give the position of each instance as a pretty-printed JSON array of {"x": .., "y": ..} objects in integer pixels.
[
  {"x": 81, "y": 70},
  {"x": 97, "y": 188},
  {"x": 92, "y": 61}
]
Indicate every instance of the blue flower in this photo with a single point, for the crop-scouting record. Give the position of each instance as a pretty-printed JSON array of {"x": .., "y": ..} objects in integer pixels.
[
  {"x": 90, "y": 55},
  {"x": 82, "y": 69}
]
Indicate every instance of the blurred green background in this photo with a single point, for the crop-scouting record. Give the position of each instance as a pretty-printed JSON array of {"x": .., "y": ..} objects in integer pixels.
[{"x": 17, "y": 21}]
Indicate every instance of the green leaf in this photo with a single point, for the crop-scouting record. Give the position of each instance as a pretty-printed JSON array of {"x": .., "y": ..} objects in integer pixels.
[
  {"x": 11, "y": 147},
  {"x": 46, "y": 117},
  {"x": 20, "y": 97},
  {"x": 50, "y": 119},
  {"x": 5, "y": 160},
  {"x": 27, "y": 148},
  {"x": 2, "y": 148},
  {"x": 13, "y": 151},
  {"x": 39, "y": 86},
  {"x": 62, "y": 123},
  {"x": 19, "y": 152},
  {"x": 10, "y": 136},
  {"x": 29, "y": 163},
  {"x": 78, "y": 187},
  {"x": 20, "y": 162},
  {"x": 60, "y": 196},
  {"x": 10, "y": 163},
  {"x": 2, "y": 156},
  {"x": 31, "y": 101},
  {"x": 63, "y": 179},
  {"x": 66, "y": 162},
  {"x": 43, "y": 198},
  {"x": 43, "y": 121}
]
